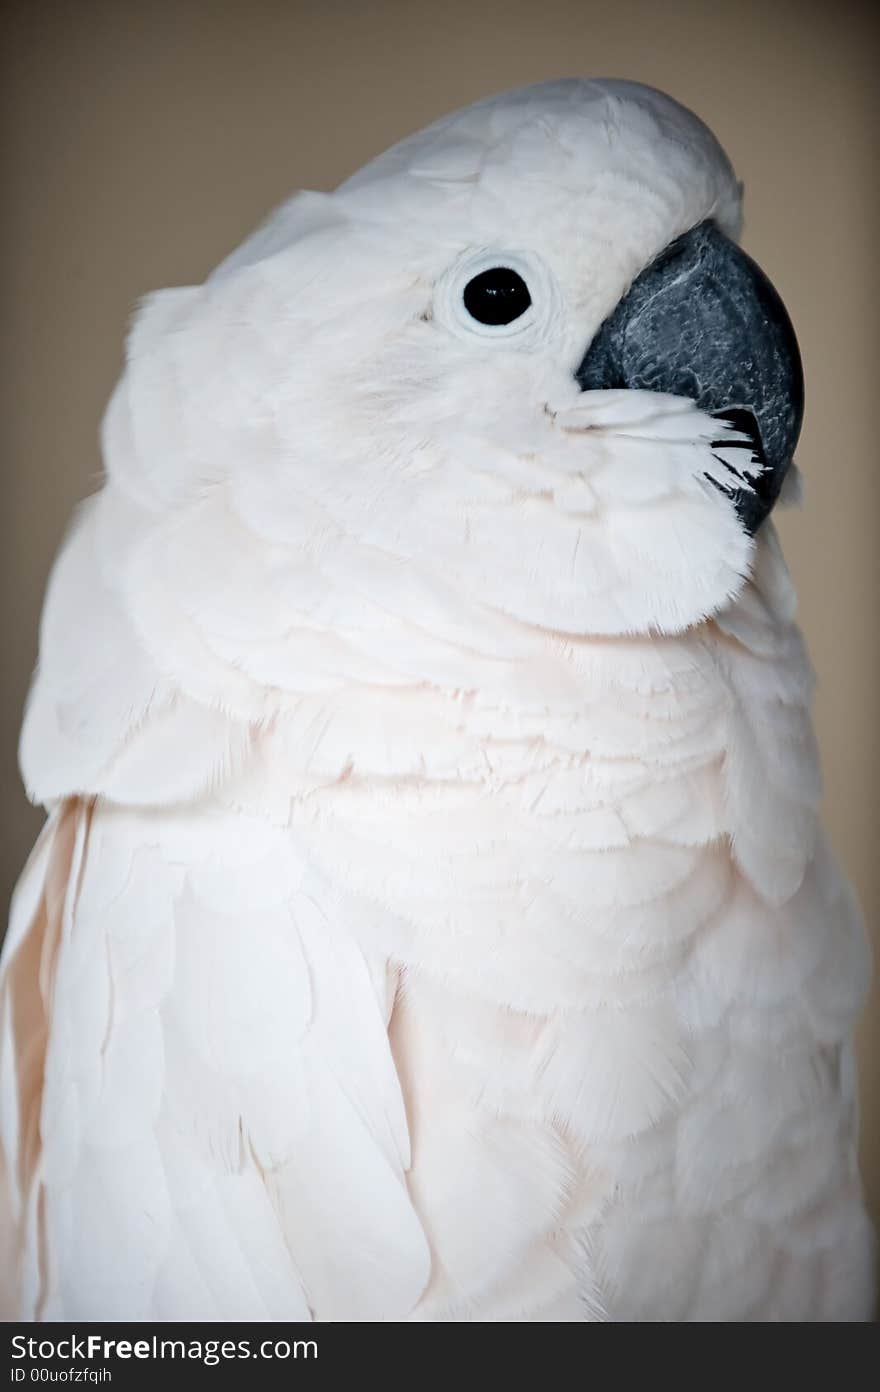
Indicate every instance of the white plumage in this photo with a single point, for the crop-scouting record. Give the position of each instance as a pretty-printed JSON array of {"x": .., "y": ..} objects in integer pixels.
[{"x": 432, "y": 920}]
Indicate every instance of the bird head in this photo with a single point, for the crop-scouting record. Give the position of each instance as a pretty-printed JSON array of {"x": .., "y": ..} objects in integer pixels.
[{"x": 520, "y": 353}]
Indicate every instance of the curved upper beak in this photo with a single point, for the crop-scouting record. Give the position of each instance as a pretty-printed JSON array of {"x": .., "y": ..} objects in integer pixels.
[{"x": 703, "y": 321}]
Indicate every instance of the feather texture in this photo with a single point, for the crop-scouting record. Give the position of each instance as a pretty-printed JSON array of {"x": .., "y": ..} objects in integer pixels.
[{"x": 433, "y": 920}]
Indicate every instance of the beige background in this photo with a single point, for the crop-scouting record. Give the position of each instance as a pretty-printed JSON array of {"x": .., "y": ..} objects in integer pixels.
[{"x": 143, "y": 140}]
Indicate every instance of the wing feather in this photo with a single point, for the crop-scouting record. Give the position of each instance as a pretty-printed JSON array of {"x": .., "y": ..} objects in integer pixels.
[{"x": 209, "y": 1123}]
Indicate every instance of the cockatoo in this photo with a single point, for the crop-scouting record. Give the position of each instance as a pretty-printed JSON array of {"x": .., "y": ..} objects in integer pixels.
[{"x": 431, "y": 921}]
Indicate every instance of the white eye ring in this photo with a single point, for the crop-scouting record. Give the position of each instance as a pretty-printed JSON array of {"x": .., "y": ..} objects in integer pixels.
[{"x": 529, "y": 330}]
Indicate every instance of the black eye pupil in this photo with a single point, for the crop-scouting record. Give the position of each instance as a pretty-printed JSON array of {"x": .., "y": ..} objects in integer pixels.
[{"x": 497, "y": 296}]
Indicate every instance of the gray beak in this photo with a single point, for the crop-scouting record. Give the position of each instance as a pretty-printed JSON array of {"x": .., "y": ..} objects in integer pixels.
[{"x": 702, "y": 320}]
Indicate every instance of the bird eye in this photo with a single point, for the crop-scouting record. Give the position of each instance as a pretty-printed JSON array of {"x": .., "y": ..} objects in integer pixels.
[
  {"x": 497, "y": 296},
  {"x": 505, "y": 296}
]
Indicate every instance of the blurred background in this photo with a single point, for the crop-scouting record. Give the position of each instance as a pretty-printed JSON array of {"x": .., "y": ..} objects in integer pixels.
[{"x": 142, "y": 140}]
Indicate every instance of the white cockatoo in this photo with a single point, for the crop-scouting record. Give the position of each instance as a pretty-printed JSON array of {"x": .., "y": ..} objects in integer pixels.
[{"x": 431, "y": 921}]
